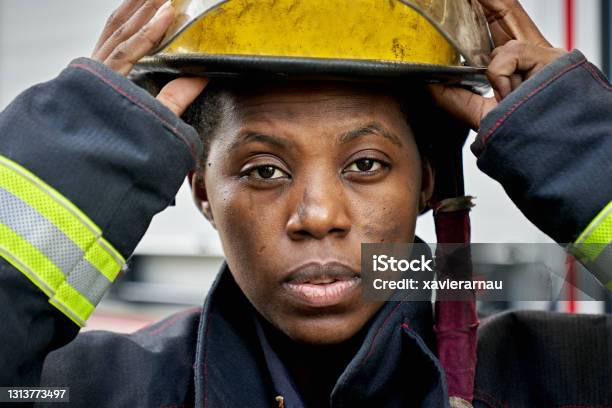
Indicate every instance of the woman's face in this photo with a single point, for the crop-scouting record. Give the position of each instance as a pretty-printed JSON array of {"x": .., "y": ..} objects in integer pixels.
[{"x": 297, "y": 178}]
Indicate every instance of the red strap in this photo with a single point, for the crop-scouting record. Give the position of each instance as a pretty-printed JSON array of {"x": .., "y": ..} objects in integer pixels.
[{"x": 456, "y": 321}]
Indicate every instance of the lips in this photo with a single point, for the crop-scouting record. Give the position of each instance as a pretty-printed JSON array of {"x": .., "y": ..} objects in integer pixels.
[{"x": 322, "y": 285}]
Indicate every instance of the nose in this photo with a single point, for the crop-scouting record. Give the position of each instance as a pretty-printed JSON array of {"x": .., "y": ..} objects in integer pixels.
[{"x": 320, "y": 211}]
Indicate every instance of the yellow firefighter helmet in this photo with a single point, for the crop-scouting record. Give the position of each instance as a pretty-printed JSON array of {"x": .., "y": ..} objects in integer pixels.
[{"x": 438, "y": 40}]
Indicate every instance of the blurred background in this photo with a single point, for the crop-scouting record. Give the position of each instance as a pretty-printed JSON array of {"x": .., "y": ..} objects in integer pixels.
[{"x": 178, "y": 258}]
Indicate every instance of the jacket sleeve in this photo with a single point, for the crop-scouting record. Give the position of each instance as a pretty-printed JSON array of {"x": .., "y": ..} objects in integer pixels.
[
  {"x": 86, "y": 161},
  {"x": 549, "y": 144}
]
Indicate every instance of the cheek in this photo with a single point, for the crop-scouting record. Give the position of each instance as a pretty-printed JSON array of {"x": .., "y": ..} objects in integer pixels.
[
  {"x": 389, "y": 214},
  {"x": 248, "y": 230},
  {"x": 391, "y": 222}
]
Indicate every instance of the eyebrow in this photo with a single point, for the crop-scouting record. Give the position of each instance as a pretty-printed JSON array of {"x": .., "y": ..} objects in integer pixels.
[
  {"x": 370, "y": 129},
  {"x": 261, "y": 138}
]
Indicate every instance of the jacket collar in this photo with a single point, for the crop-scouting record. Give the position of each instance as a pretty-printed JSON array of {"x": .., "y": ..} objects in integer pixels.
[{"x": 393, "y": 367}]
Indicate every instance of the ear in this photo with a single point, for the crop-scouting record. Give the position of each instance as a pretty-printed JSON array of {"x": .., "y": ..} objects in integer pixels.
[
  {"x": 200, "y": 198},
  {"x": 427, "y": 184}
]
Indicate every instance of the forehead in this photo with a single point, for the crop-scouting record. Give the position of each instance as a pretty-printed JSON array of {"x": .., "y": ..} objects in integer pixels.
[{"x": 317, "y": 104}]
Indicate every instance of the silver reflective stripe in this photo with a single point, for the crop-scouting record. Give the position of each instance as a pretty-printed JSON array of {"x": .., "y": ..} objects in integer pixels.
[
  {"x": 54, "y": 244},
  {"x": 88, "y": 281},
  {"x": 38, "y": 231}
]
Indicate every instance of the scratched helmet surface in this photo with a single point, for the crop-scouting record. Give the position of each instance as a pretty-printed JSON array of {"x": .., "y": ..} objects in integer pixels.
[{"x": 437, "y": 40}]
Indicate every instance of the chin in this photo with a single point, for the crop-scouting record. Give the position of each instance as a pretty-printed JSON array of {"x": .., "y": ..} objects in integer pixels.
[{"x": 323, "y": 329}]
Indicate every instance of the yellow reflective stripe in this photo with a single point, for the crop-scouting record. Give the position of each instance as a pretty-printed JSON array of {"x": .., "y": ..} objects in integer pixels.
[
  {"x": 79, "y": 307},
  {"x": 30, "y": 261},
  {"x": 43, "y": 205},
  {"x": 54, "y": 207},
  {"x": 596, "y": 236},
  {"x": 45, "y": 275},
  {"x": 104, "y": 258},
  {"x": 103, "y": 243},
  {"x": 48, "y": 202},
  {"x": 67, "y": 312}
]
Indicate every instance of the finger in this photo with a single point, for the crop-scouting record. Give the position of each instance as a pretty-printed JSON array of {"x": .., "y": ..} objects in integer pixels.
[
  {"x": 466, "y": 106},
  {"x": 178, "y": 94},
  {"x": 126, "y": 54},
  {"x": 508, "y": 21},
  {"x": 502, "y": 86},
  {"x": 516, "y": 62},
  {"x": 116, "y": 20},
  {"x": 497, "y": 96},
  {"x": 516, "y": 80},
  {"x": 505, "y": 63},
  {"x": 129, "y": 27},
  {"x": 506, "y": 84}
]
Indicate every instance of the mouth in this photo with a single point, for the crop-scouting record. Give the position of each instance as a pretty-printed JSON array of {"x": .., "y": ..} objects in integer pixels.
[{"x": 322, "y": 285}]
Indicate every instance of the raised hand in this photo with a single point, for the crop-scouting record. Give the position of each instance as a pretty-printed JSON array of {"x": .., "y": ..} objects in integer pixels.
[
  {"x": 521, "y": 51},
  {"x": 132, "y": 31}
]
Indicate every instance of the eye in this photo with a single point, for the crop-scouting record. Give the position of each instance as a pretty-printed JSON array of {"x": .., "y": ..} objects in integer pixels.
[
  {"x": 267, "y": 173},
  {"x": 365, "y": 166}
]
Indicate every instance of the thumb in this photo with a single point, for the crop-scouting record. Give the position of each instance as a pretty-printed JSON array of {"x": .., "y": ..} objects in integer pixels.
[
  {"x": 178, "y": 94},
  {"x": 466, "y": 106}
]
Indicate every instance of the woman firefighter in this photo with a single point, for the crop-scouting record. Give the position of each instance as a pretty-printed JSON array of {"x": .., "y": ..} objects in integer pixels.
[{"x": 295, "y": 175}]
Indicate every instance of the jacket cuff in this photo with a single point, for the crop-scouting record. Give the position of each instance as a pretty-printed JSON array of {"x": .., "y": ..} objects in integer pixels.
[
  {"x": 548, "y": 143},
  {"x": 142, "y": 99}
]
